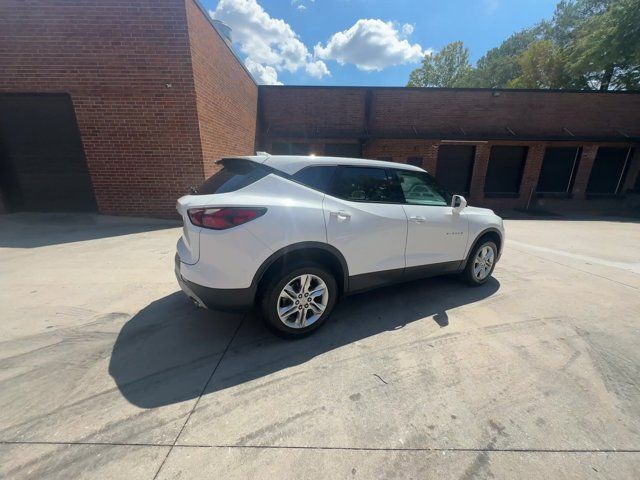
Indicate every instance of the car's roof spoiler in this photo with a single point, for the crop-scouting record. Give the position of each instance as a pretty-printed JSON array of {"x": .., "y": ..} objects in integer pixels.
[{"x": 260, "y": 158}]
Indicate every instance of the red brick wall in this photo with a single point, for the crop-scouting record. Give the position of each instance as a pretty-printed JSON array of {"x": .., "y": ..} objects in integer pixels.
[
  {"x": 158, "y": 95},
  {"x": 480, "y": 164},
  {"x": 442, "y": 112},
  {"x": 525, "y": 112},
  {"x": 115, "y": 58},
  {"x": 584, "y": 170},
  {"x": 311, "y": 111},
  {"x": 227, "y": 96},
  {"x": 531, "y": 172}
]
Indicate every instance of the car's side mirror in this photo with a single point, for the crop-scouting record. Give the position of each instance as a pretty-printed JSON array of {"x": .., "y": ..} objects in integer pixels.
[{"x": 458, "y": 202}]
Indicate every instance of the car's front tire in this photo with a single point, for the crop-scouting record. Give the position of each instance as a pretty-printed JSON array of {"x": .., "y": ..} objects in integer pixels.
[
  {"x": 481, "y": 262},
  {"x": 298, "y": 301}
]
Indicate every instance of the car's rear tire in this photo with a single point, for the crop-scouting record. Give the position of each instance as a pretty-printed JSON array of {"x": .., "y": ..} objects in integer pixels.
[
  {"x": 481, "y": 262},
  {"x": 296, "y": 302}
]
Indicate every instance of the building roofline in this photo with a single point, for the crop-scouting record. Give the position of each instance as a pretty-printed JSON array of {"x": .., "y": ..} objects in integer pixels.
[
  {"x": 441, "y": 136},
  {"x": 210, "y": 20},
  {"x": 449, "y": 89}
]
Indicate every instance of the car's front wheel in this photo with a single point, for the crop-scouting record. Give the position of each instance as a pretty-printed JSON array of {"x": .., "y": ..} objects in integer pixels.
[
  {"x": 481, "y": 263},
  {"x": 297, "y": 302}
]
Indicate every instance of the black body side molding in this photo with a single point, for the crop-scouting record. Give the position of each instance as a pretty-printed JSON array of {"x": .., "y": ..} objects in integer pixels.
[{"x": 368, "y": 281}]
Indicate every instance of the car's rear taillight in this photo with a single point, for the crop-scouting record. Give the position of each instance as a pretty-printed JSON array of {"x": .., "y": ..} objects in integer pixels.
[{"x": 225, "y": 217}]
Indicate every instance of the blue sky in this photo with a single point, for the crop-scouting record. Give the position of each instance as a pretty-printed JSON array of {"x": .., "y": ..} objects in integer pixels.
[{"x": 363, "y": 42}]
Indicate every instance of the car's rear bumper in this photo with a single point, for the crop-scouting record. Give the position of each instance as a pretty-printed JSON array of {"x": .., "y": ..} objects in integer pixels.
[{"x": 223, "y": 299}]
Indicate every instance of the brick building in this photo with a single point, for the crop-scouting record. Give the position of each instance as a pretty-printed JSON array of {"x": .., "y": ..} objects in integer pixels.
[
  {"x": 120, "y": 105},
  {"x": 557, "y": 150}
]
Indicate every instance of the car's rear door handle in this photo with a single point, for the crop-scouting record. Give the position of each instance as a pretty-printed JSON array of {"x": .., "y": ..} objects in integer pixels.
[
  {"x": 340, "y": 215},
  {"x": 417, "y": 219}
]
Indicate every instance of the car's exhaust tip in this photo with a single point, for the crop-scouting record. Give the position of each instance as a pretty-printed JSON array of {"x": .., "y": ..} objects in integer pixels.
[{"x": 198, "y": 303}]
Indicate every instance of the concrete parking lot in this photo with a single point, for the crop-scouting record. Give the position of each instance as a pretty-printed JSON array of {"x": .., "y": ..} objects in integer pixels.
[{"x": 107, "y": 371}]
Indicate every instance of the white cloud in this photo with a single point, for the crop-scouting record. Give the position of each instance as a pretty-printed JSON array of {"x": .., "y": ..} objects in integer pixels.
[
  {"x": 407, "y": 29},
  {"x": 270, "y": 44},
  {"x": 298, "y": 4},
  {"x": 263, "y": 74},
  {"x": 371, "y": 44},
  {"x": 301, "y": 4},
  {"x": 317, "y": 69}
]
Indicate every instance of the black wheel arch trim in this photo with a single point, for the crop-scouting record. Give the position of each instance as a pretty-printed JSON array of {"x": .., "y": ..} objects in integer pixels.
[
  {"x": 296, "y": 247},
  {"x": 478, "y": 237}
]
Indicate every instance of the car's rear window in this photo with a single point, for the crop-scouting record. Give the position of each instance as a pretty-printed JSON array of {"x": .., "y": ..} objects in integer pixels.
[
  {"x": 235, "y": 174},
  {"x": 316, "y": 177}
]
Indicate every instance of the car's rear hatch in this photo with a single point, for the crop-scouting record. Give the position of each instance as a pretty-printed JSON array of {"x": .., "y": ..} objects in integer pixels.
[{"x": 235, "y": 174}]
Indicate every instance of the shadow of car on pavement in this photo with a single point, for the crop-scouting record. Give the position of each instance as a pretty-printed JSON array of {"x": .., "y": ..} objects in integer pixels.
[{"x": 167, "y": 352}]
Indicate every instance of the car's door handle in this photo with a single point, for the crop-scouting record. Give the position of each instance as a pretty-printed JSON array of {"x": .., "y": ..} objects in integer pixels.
[
  {"x": 340, "y": 215},
  {"x": 417, "y": 219}
]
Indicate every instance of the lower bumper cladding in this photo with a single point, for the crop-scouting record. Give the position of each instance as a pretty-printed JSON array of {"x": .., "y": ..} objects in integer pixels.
[{"x": 222, "y": 299}]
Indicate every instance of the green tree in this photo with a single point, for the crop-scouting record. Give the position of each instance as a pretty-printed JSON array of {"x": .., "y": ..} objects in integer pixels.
[
  {"x": 587, "y": 44},
  {"x": 500, "y": 65},
  {"x": 449, "y": 67},
  {"x": 604, "y": 52},
  {"x": 569, "y": 15},
  {"x": 542, "y": 65}
]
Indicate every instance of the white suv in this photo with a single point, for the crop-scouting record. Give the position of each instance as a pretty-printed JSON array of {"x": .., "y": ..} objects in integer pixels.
[{"x": 295, "y": 233}]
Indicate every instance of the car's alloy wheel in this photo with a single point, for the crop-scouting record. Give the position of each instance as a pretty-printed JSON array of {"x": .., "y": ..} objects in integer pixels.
[
  {"x": 299, "y": 300},
  {"x": 483, "y": 262},
  {"x": 302, "y": 301}
]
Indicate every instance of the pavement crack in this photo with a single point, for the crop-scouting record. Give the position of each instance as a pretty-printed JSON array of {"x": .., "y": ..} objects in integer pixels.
[
  {"x": 380, "y": 378},
  {"x": 204, "y": 389},
  {"x": 488, "y": 448}
]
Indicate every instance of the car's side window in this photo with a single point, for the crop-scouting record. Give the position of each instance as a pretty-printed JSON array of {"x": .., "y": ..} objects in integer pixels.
[
  {"x": 316, "y": 177},
  {"x": 365, "y": 184},
  {"x": 420, "y": 188}
]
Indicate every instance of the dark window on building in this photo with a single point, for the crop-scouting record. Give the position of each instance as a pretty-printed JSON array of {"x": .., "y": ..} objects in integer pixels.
[
  {"x": 455, "y": 167},
  {"x": 364, "y": 184},
  {"x": 386, "y": 159},
  {"x": 559, "y": 169},
  {"x": 420, "y": 188},
  {"x": 315, "y": 177},
  {"x": 42, "y": 162},
  {"x": 608, "y": 171},
  {"x": 300, "y": 149},
  {"x": 290, "y": 149},
  {"x": 235, "y": 174},
  {"x": 415, "y": 161},
  {"x": 280, "y": 148},
  {"x": 504, "y": 172},
  {"x": 350, "y": 150}
]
